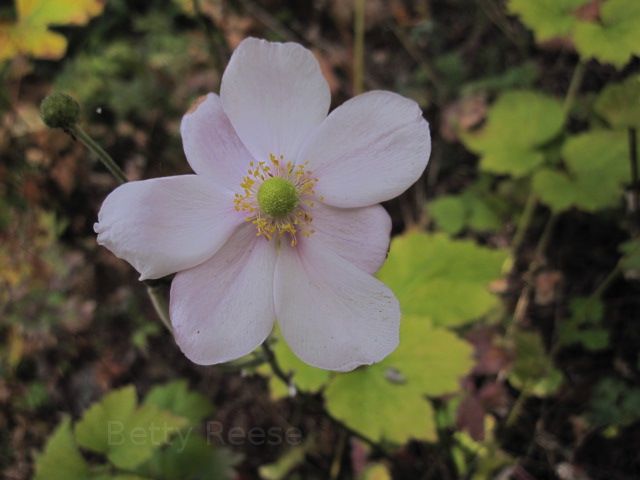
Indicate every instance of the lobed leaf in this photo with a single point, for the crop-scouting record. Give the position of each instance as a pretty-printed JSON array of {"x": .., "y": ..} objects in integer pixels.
[
  {"x": 429, "y": 362},
  {"x": 442, "y": 279},
  {"x": 518, "y": 123},
  {"x": 30, "y": 34}
]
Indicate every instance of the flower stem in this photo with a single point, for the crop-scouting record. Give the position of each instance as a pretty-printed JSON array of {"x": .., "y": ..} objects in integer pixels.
[
  {"x": 635, "y": 183},
  {"x": 574, "y": 87},
  {"x": 104, "y": 157},
  {"x": 159, "y": 303},
  {"x": 525, "y": 221},
  {"x": 608, "y": 281},
  {"x": 358, "y": 46},
  {"x": 286, "y": 378}
]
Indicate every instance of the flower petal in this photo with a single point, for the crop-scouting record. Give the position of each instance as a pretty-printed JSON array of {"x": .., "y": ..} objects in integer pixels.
[
  {"x": 211, "y": 144},
  {"x": 370, "y": 149},
  {"x": 223, "y": 309},
  {"x": 359, "y": 235},
  {"x": 275, "y": 96},
  {"x": 164, "y": 225},
  {"x": 332, "y": 314}
]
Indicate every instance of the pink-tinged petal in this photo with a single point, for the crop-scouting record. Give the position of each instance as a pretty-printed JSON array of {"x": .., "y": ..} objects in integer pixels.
[
  {"x": 275, "y": 96},
  {"x": 212, "y": 147},
  {"x": 332, "y": 314},
  {"x": 164, "y": 225},
  {"x": 359, "y": 235},
  {"x": 368, "y": 150},
  {"x": 223, "y": 309}
]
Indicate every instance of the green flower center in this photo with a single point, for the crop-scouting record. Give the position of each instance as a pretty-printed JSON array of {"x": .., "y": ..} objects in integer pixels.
[{"x": 277, "y": 197}]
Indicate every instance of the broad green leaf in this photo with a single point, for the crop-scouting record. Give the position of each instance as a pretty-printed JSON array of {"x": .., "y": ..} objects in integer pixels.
[
  {"x": 305, "y": 377},
  {"x": 125, "y": 433},
  {"x": 518, "y": 123},
  {"x": 597, "y": 164},
  {"x": 547, "y": 18},
  {"x": 453, "y": 213},
  {"x": 442, "y": 279},
  {"x": 30, "y": 33},
  {"x": 533, "y": 369},
  {"x": 386, "y": 401},
  {"x": 615, "y": 38},
  {"x": 449, "y": 213},
  {"x": 61, "y": 459},
  {"x": 190, "y": 457},
  {"x": 619, "y": 103},
  {"x": 176, "y": 398}
]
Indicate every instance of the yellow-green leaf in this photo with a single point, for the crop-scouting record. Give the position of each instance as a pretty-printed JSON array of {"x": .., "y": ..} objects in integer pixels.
[
  {"x": 61, "y": 459},
  {"x": 547, "y": 18},
  {"x": 386, "y": 402},
  {"x": 125, "y": 433},
  {"x": 30, "y": 34},
  {"x": 518, "y": 123},
  {"x": 597, "y": 164},
  {"x": 619, "y": 103},
  {"x": 615, "y": 38},
  {"x": 442, "y": 279}
]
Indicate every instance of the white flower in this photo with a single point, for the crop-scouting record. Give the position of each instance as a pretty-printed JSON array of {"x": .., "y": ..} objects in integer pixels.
[{"x": 281, "y": 219}]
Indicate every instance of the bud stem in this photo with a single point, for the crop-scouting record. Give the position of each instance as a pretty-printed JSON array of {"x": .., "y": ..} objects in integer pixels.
[{"x": 103, "y": 156}]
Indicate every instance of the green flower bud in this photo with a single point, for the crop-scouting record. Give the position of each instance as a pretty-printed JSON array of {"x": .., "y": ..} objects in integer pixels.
[{"x": 59, "y": 110}]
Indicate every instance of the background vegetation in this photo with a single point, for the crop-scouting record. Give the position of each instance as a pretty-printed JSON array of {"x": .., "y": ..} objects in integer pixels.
[{"x": 515, "y": 258}]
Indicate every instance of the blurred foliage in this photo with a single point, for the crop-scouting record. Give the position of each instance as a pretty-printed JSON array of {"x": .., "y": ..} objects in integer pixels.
[
  {"x": 487, "y": 324},
  {"x": 30, "y": 33},
  {"x": 152, "y": 440},
  {"x": 517, "y": 125},
  {"x": 607, "y": 31}
]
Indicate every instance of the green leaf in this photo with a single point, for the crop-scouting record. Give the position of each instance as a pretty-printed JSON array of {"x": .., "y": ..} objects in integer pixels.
[
  {"x": 619, "y": 103},
  {"x": 305, "y": 377},
  {"x": 615, "y": 38},
  {"x": 386, "y": 401},
  {"x": 630, "y": 260},
  {"x": 61, "y": 459},
  {"x": 614, "y": 403},
  {"x": 547, "y": 18},
  {"x": 584, "y": 325},
  {"x": 126, "y": 434},
  {"x": 518, "y": 123},
  {"x": 533, "y": 369},
  {"x": 453, "y": 213},
  {"x": 597, "y": 164},
  {"x": 176, "y": 398},
  {"x": 442, "y": 279},
  {"x": 190, "y": 458},
  {"x": 449, "y": 213}
]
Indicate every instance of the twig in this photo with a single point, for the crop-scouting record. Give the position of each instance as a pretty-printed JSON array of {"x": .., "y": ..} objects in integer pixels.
[{"x": 358, "y": 46}]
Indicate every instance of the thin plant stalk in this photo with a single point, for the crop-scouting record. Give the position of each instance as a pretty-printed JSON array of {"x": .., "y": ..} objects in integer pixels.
[
  {"x": 103, "y": 156},
  {"x": 358, "y": 46}
]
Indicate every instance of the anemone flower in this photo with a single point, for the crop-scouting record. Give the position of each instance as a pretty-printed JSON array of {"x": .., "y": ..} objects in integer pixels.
[{"x": 281, "y": 221}]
